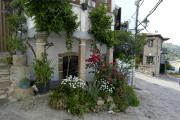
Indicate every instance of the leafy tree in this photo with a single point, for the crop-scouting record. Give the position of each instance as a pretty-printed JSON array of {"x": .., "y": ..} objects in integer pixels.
[
  {"x": 17, "y": 25},
  {"x": 129, "y": 46}
]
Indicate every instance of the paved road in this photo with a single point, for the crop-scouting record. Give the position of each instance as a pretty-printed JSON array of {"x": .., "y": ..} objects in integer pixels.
[
  {"x": 158, "y": 102},
  {"x": 160, "y": 99}
]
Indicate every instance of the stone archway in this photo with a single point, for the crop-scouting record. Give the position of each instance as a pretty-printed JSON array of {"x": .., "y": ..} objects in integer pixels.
[{"x": 73, "y": 69}]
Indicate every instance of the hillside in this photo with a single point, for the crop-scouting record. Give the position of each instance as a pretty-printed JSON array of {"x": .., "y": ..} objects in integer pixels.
[{"x": 172, "y": 50}]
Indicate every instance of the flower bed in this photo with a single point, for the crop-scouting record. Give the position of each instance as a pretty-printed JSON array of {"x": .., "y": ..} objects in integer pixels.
[{"x": 108, "y": 90}]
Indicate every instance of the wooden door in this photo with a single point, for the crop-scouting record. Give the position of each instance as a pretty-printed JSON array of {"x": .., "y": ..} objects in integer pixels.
[{"x": 4, "y": 32}]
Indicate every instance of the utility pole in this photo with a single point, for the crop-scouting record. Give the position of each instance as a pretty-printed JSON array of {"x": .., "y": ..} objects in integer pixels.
[{"x": 137, "y": 15}]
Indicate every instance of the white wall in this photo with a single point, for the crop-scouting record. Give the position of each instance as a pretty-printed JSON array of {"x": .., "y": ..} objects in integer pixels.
[
  {"x": 59, "y": 41},
  {"x": 60, "y": 47}
]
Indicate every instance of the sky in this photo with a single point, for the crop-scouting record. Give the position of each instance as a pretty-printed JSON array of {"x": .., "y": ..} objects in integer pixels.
[{"x": 165, "y": 20}]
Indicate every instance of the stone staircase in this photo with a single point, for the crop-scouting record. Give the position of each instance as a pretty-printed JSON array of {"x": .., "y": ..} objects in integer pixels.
[{"x": 4, "y": 78}]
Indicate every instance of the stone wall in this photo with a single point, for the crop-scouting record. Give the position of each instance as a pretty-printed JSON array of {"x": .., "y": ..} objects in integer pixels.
[{"x": 147, "y": 69}]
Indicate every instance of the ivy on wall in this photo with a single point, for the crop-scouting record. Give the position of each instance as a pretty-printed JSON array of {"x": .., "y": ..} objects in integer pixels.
[
  {"x": 53, "y": 16},
  {"x": 101, "y": 26}
]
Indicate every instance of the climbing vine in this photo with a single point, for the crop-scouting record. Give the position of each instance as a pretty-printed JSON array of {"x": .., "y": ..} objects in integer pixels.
[
  {"x": 53, "y": 16},
  {"x": 101, "y": 26}
]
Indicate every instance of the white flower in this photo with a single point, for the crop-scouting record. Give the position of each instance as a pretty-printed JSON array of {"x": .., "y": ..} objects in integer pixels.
[{"x": 74, "y": 82}]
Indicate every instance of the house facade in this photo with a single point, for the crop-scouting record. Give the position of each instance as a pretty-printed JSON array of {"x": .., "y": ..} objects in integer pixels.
[
  {"x": 82, "y": 43},
  {"x": 57, "y": 54},
  {"x": 153, "y": 55}
]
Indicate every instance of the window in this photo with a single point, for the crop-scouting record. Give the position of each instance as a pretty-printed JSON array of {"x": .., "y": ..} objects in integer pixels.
[
  {"x": 150, "y": 43},
  {"x": 150, "y": 60}
]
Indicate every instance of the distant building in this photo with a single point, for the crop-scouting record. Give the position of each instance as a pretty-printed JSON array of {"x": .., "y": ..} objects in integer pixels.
[
  {"x": 175, "y": 64},
  {"x": 153, "y": 55}
]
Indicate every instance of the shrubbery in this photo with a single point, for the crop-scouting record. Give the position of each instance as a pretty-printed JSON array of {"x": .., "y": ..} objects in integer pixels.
[{"x": 108, "y": 90}]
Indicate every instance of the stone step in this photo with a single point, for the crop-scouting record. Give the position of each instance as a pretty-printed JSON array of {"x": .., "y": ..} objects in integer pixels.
[
  {"x": 5, "y": 84},
  {"x": 4, "y": 70},
  {"x": 4, "y": 77},
  {"x": 3, "y": 97},
  {"x": 2, "y": 92}
]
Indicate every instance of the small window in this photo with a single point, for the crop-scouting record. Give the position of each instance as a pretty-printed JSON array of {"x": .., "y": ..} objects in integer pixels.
[
  {"x": 150, "y": 43},
  {"x": 150, "y": 60}
]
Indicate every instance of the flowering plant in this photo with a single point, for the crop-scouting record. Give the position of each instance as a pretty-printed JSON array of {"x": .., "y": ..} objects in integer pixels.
[
  {"x": 73, "y": 82},
  {"x": 106, "y": 87},
  {"x": 94, "y": 60}
]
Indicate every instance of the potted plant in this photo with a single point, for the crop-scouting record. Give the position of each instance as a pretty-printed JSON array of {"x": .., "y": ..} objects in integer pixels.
[
  {"x": 17, "y": 50},
  {"x": 17, "y": 26},
  {"x": 43, "y": 73},
  {"x": 24, "y": 83}
]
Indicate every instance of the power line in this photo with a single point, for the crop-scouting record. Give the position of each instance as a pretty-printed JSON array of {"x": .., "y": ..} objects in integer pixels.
[
  {"x": 152, "y": 10},
  {"x": 139, "y": 6}
]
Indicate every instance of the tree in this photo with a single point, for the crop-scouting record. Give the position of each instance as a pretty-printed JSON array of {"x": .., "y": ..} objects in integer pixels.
[{"x": 129, "y": 46}]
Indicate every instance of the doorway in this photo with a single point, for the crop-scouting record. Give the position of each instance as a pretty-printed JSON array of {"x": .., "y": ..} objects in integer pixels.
[{"x": 73, "y": 66}]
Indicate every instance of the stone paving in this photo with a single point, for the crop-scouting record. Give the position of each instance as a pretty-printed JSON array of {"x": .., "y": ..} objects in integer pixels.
[{"x": 157, "y": 103}]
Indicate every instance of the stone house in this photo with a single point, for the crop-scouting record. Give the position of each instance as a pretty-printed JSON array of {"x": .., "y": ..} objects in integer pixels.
[
  {"x": 153, "y": 55},
  {"x": 57, "y": 54},
  {"x": 175, "y": 64}
]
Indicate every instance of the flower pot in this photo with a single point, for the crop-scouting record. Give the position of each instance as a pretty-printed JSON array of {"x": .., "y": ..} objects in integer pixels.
[
  {"x": 19, "y": 60},
  {"x": 24, "y": 86},
  {"x": 43, "y": 89}
]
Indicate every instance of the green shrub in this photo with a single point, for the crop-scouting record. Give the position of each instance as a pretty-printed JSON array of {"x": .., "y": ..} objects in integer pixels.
[
  {"x": 72, "y": 95},
  {"x": 121, "y": 102},
  {"x": 132, "y": 97},
  {"x": 43, "y": 71},
  {"x": 56, "y": 100},
  {"x": 92, "y": 93},
  {"x": 7, "y": 60},
  {"x": 15, "y": 44}
]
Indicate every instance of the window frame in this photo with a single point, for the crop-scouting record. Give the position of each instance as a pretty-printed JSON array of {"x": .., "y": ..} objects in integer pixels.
[
  {"x": 150, "y": 42},
  {"x": 149, "y": 59}
]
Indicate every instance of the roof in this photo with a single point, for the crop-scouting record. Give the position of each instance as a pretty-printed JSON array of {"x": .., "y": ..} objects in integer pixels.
[{"x": 157, "y": 35}]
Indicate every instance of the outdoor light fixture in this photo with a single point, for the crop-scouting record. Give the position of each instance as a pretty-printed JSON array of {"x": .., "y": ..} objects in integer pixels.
[{"x": 84, "y": 5}]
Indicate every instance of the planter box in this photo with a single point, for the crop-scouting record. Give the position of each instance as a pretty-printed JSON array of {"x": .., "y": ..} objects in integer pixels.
[{"x": 19, "y": 60}]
